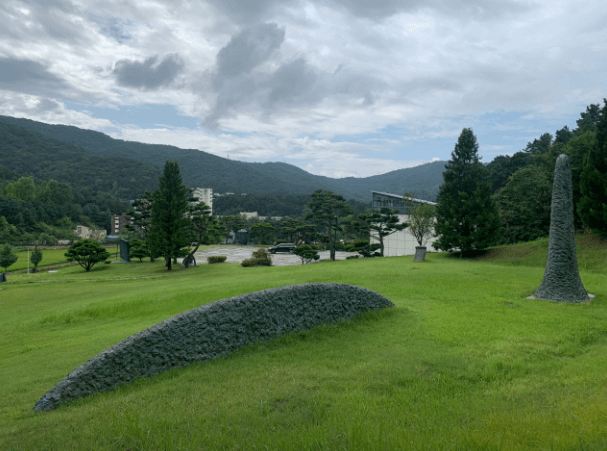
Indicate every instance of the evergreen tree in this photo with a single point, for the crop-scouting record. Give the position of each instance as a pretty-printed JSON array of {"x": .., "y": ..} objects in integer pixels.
[
  {"x": 382, "y": 224},
  {"x": 7, "y": 259},
  {"x": 169, "y": 225},
  {"x": 592, "y": 207},
  {"x": 466, "y": 216},
  {"x": 87, "y": 253},
  {"x": 325, "y": 209},
  {"x": 36, "y": 258}
]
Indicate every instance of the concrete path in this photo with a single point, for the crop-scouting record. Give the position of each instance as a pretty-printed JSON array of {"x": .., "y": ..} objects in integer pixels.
[{"x": 236, "y": 254}]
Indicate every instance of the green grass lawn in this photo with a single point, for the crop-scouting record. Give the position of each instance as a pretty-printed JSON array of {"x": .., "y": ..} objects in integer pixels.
[{"x": 463, "y": 362}]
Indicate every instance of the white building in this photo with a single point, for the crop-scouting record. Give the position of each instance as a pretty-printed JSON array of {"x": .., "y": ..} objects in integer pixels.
[
  {"x": 402, "y": 242},
  {"x": 205, "y": 195}
]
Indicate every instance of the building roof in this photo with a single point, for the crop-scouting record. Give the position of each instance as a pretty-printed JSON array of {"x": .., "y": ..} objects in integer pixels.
[{"x": 397, "y": 196}]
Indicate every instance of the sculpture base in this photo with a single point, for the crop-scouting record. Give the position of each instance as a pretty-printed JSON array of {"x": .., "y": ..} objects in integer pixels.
[
  {"x": 590, "y": 296},
  {"x": 420, "y": 254}
]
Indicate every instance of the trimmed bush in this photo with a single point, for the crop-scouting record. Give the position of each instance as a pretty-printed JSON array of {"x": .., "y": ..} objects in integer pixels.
[
  {"x": 216, "y": 259},
  {"x": 256, "y": 262}
]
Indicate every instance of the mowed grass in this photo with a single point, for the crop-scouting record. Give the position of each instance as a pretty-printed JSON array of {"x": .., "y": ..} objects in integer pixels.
[
  {"x": 53, "y": 257},
  {"x": 463, "y": 362}
]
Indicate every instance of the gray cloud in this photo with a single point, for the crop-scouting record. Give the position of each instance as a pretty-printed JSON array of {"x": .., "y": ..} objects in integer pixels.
[
  {"x": 149, "y": 74},
  {"x": 45, "y": 105},
  {"x": 295, "y": 84},
  {"x": 247, "y": 11},
  {"x": 475, "y": 9},
  {"x": 30, "y": 77},
  {"x": 247, "y": 50},
  {"x": 34, "y": 19}
]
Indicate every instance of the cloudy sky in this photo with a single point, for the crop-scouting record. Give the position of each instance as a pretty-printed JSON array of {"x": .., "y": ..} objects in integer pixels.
[{"x": 336, "y": 87}]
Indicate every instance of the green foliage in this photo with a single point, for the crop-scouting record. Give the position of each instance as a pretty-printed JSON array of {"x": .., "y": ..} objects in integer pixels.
[
  {"x": 466, "y": 216},
  {"x": 36, "y": 257},
  {"x": 364, "y": 248},
  {"x": 216, "y": 259},
  {"x": 261, "y": 257},
  {"x": 524, "y": 205},
  {"x": 293, "y": 206},
  {"x": 421, "y": 219},
  {"x": 263, "y": 254},
  {"x": 503, "y": 166},
  {"x": 7, "y": 257},
  {"x": 87, "y": 253},
  {"x": 306, "y": 252},
  {"x": 27, "y": 152},
  {"x": 382, "y": 224},
  {"x": 325, "y": 210},
  {"x": 232, "y": 223},
  {"x": 203, "y": 228},
  {"x": 141, "y": 214},
  {"x": 138, "y": 249},
  {"x": 263, "y": 231},
  {"x": 592, "y": 207},
  {"x": 169, "y": 230},
  {"x": 256, "y": 262}
]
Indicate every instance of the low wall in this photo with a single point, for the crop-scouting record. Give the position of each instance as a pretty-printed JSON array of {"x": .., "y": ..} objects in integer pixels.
[{"x": 213, "y": 330}]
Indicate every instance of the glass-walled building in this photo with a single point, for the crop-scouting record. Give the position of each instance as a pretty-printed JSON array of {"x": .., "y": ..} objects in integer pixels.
[{"x": 403, "y": 242}]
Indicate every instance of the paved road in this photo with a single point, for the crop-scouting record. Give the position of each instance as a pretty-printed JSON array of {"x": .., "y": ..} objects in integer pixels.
[{"x": 236, "y": 254}]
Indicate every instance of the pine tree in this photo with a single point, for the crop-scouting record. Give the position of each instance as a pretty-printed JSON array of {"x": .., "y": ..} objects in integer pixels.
[
  {"x": 325, "y": 209},
  {"x": 169, "y": 226},
  {"x": 36, "y": 258},
  {"x": 466, "y": 216},
  {"x": 592, "y": 206}
]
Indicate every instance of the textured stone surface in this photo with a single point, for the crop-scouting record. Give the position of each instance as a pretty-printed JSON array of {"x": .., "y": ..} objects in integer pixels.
[
  {"x": 561, "y": 280},
  {"x": 420, "y": 254},
  {"x": 213, "y": 330}
]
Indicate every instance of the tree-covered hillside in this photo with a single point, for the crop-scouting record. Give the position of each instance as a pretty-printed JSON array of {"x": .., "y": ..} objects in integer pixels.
[
  {"x": 202, "y": 169},
  {"x": 28, "y": 153}
]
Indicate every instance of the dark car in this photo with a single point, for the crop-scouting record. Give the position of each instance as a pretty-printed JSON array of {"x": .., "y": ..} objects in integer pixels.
[{"x": 282, "y": 247}]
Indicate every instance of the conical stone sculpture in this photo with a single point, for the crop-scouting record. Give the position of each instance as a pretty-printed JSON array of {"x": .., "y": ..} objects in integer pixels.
[{"x": 561, "y": 280}]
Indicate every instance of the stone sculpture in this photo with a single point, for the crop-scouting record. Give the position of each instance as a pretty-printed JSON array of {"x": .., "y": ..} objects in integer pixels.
[
  {"x": 213, "y": 330},
  {"x": 561, "y": 280}
]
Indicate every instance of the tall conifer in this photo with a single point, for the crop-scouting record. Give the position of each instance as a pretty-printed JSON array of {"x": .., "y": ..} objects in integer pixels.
[
  {"x": 169, "y": 230},
  {"x": 466, "y": 216},
  {"x": 592, "y": 206}
]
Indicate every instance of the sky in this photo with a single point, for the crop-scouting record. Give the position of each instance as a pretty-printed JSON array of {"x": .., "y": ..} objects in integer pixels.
[{"x": 338, "y": 88}]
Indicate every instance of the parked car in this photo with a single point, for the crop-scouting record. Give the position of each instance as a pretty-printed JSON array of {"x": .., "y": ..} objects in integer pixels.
[{"x": 282, "y": 247}]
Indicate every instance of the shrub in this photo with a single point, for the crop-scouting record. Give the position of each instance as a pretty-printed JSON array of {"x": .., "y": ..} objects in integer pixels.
[
  {"x": 216, "y": 259},
  {"x": 256, "y": 262},
  {"x": 263, "y": 254}
]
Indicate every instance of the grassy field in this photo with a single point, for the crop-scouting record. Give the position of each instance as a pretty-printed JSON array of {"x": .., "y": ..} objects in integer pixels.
[
  {"x": 464, "y": 361},
  {"x": 53, "y": 257}
]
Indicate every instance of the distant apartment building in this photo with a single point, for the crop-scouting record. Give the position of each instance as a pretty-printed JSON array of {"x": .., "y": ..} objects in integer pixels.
[
  {"x": 88, "y": 233},
  {"x": 402, "y": 242},
  {"x": 205, "y": 195},
  {"x": 119, "y": 222}
]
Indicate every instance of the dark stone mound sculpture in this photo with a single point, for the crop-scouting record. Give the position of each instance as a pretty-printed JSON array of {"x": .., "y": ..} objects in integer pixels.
[
  {"x": 213, "y": 330},
  {"x": 561, "y": 280}
]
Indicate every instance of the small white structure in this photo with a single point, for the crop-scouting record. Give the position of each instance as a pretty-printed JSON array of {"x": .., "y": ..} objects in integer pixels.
[
  {"x": 204, "y": 195},
  {"x": 403, "y": 242}
]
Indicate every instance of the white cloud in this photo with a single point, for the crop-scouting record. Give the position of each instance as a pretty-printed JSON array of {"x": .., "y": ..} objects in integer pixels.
[{"x": 298, "y": 79}]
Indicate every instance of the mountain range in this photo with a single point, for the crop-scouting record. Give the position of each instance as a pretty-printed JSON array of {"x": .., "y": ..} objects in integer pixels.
[{"x": 126, "y": 168}]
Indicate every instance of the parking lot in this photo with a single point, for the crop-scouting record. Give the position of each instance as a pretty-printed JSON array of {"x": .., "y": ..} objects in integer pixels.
[{"x": 236, "y": 254}]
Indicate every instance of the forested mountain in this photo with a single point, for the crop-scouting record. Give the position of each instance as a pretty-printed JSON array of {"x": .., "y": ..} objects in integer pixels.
[
  {"x": 28, "y": 153},
  {"x": 201, "y": 169},
  {"x": 293, "y": 206}
]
